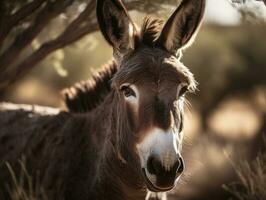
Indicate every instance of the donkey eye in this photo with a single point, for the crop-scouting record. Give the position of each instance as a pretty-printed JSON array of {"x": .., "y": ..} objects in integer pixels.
[
  {"x": 183, "y": 91},
  {"x": 127, "y": 91}
]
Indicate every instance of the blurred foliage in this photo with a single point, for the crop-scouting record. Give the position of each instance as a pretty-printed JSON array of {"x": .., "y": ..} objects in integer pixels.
[
  {"x": 14, "y": 5},
  {"x": 250, "y": 10},
  {"x": 227, "y": 61},
  {"x": 158, "y": 7}
]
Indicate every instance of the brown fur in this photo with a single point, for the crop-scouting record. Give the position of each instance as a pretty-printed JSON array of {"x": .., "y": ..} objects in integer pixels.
[
  {"x": 69, "y": 155},
  {"x": 90, "y": 151}
]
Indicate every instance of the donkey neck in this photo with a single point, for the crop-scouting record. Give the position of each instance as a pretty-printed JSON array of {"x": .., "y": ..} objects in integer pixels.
[{"x": 116, "y": 178}]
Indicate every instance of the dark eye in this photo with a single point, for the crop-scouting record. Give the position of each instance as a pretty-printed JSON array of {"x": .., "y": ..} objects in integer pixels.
[
  {"x": 127, "y": 91},
  {"x": 183, "y": 91}
]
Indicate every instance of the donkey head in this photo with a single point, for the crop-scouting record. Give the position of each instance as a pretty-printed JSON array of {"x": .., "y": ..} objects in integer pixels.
[{"x": 150, "y": 86}]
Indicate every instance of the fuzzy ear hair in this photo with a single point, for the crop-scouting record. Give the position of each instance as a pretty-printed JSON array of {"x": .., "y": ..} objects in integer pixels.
[
  {"x": 116, "y": 25},
  {"x": 182, "y": 27}
]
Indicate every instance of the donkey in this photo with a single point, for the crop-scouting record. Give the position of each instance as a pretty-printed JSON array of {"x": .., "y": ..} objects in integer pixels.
[{"x": 126, "y": 137}]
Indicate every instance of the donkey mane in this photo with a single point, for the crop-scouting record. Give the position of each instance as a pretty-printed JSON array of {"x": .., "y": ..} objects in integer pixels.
[
  {"x": 150, "y": 30},
  {"x": 84, "y": 96}
]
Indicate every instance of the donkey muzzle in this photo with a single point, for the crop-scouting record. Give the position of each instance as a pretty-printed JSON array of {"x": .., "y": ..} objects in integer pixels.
[{"x": 160, "y": 177}]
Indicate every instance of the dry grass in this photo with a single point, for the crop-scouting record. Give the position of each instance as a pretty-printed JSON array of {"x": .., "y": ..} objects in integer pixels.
[
  {"x": 252, "y": 178},
  {"x": 22, "y": 187}
]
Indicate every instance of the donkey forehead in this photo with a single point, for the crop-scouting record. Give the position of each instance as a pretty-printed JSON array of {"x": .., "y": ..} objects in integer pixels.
[{"x": 153, "y": 67}]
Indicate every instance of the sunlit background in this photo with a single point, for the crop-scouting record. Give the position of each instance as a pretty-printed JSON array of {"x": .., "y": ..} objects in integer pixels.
[{"x": 226, "y": 118}]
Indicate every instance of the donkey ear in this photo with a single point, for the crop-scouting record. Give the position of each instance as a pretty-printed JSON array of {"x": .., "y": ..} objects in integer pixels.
[
  {"x": 182, "y": 26},
  {"x": 116, "y": 25}
]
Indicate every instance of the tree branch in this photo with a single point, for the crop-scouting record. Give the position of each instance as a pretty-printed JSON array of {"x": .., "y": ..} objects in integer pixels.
[
  {"x": 28, "y": 64},
  {"x": 16, "y": 18},
  {"x": 25, "y": 11},
  {"x": 71, "y": 34},
  {"x": 50, "y": 11}
]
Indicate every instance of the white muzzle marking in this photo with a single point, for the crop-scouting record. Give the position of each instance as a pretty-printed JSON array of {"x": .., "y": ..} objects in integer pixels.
[{"x": 163, "y": 144}]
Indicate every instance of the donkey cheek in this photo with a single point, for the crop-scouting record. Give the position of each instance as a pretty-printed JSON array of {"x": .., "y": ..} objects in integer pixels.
[{"x": 132, "y": 117}]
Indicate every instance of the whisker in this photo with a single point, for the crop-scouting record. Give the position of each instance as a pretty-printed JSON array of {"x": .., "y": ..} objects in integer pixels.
[{"x": 187, "y": 105}]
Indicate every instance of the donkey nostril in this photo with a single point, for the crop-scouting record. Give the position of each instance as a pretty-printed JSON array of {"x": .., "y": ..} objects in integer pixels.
[
  {"x": 154, "y": 165},
  {"x": 157, "y": 166}
]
